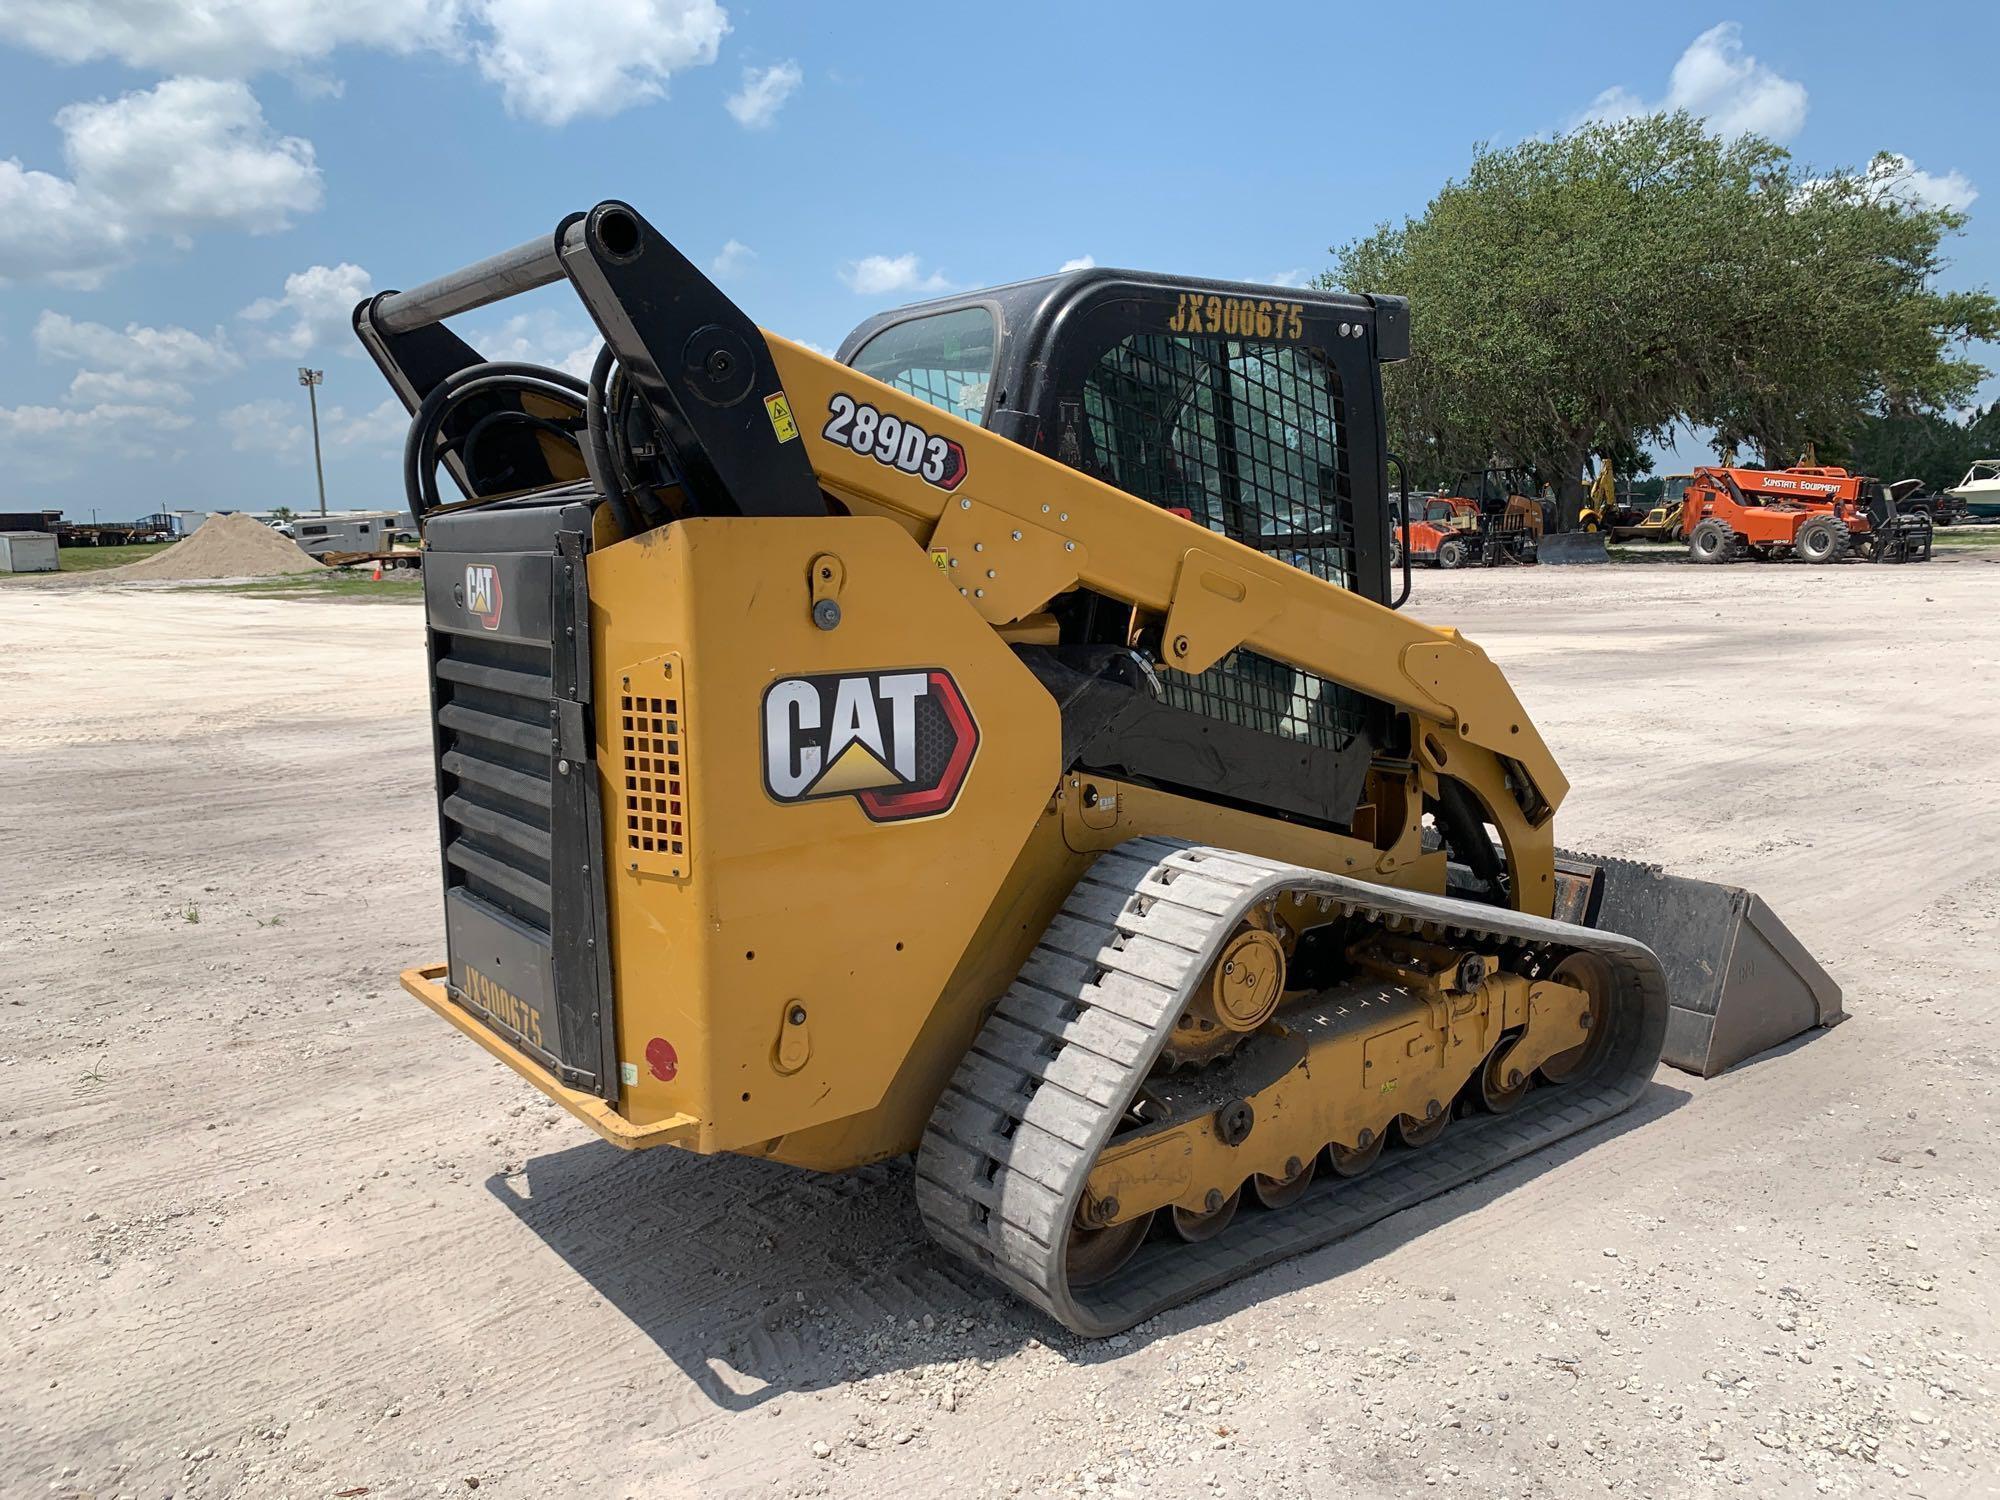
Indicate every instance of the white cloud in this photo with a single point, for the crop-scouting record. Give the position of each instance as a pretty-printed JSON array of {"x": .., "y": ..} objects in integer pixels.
[
  {"x": 875, "y": 275},
  {"x": 1897, "y": 176},
  {"x": 97, "y": 386},
  {"x": 229, "y": 37},
  {"x": 732, "y": 261},
  {"x": 53, "y": 439},
  {"x": 541, "y": 337},
  {"x": 192, "y": 153},
  {"x": 1894, "y": 176},
  {"x": 51, "y": 230},
  {"x": 123, "y": 396},
  {"x": 34, "y": 420},
  {"x": 552, "y": 60},
  {"x": 1295, "y": 277},
  {"x": 1078, "y": 263},
  {"x": 186, "y": 155},
  {"x": 1717, "y": 80},
  {"x": 176, "y": 353},
  {"x": 131, "y": 367},
  {"x": 279, "y": 429},
  {"x": 1614, "y": 104},
  {"x": 764, "y": 92},
  {"x": 555, "y": 60},
  {"x": 308, "y": 84},
  {"x": 120, "y": 401},
  {"x": 381, "y": 426},
  {"x": 317, "y": 308},
  {"x": 268, "y": 426}
]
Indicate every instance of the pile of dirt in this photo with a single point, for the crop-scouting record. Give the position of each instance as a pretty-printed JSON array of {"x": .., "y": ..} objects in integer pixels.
[{"x": 223, "y": 547}]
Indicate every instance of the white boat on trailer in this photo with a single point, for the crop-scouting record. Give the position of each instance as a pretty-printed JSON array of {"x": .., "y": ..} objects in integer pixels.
[{"x": 1979, "y": 491}]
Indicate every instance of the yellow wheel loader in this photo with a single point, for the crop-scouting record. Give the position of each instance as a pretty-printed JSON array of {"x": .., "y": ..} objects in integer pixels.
[
  {"x": 1663, "y": 522},
  {"x": 997, "y": 744}
]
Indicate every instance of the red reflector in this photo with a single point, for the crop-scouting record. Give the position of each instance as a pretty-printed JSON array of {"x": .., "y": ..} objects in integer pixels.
[
  {"x": 1182, "y": 511},
  {"x": 662, "y": 1060}
]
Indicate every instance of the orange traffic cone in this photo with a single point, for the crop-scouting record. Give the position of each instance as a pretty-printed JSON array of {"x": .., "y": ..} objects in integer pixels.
[{"x": 378, "y": 573}]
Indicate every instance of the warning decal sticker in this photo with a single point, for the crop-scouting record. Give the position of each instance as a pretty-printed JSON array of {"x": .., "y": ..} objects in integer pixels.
[{"x": 780, "y": 411}]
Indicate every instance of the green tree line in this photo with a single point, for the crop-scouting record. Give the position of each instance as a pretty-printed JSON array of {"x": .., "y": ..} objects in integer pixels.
[
  {"x": 1920, "y": 445},
  {"x": 1585, "y": 295}
]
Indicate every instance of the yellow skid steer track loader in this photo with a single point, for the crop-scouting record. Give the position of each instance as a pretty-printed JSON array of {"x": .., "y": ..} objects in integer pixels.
[{"x": 999, "y": 743}]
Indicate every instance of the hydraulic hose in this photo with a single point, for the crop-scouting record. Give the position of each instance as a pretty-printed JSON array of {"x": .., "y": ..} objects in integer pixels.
[
  {"x": 420, "y": 448},
  {"x": 603, "y": 457}
]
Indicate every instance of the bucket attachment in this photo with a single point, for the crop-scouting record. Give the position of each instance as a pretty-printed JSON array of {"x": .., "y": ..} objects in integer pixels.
[
  {"x": 1738, "y": 981},
  {"x": 1564, "y": 547}
]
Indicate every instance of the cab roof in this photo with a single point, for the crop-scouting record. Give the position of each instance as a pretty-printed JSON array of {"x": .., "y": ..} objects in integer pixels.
[{"x": 1038, "y": 305}]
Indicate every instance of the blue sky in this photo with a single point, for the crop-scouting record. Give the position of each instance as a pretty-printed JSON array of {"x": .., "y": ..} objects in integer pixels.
[{"x": 192, "y": 198}]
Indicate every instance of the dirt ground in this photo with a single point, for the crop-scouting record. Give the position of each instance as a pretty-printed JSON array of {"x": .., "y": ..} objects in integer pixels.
[{"x": 268, "y": 1228}]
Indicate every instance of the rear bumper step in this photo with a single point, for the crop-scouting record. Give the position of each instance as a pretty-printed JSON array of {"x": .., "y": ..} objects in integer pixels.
[{"x": 428, "y": 985}]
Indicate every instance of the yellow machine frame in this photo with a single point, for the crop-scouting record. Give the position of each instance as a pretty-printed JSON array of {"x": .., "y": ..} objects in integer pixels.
[{"x": 778, "y": 997}]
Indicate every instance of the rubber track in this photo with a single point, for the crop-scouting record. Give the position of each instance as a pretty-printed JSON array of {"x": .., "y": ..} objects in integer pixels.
[{"x": 1007, "y": 1152}]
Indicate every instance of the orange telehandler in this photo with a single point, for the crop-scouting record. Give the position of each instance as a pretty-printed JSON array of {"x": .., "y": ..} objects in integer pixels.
[
  {"x": 1444, "y": 532},
  {"x": 1483, "y": 518},
  {"x": 1815, "y": 513}
]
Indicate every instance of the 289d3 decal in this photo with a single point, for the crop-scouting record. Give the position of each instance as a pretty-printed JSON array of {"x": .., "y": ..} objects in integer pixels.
[{"x": 894, "y": 442}]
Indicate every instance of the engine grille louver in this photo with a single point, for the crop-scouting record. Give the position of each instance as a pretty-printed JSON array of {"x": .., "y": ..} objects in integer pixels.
[{"x": 494, "y": 746}]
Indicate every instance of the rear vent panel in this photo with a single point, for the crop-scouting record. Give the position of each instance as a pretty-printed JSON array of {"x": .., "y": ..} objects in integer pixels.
[
  {"x": 521, "y": 802},
  {"x": 653, "y": 803}
]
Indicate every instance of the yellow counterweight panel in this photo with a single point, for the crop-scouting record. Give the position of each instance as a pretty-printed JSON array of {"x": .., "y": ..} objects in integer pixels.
[
  {"x": 773, "y": 971},
  {"x": 1022, "y": 909}
]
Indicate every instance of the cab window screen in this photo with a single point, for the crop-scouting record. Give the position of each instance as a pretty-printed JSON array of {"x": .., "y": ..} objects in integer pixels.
[
  {"x": 945, "y": 359},
  {"x": 1248, "y": 439}
]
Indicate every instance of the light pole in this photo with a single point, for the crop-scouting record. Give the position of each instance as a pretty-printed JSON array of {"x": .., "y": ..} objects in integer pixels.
[{"x": 311, "y": 379}]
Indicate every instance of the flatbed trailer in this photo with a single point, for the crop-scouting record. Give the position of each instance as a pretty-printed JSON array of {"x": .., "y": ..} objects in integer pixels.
[
  {"x": 406, "y": 558},
  {"x": 114, "y": 533}
]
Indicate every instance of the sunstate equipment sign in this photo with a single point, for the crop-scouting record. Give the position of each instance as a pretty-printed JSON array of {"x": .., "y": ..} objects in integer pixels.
[{"x": 899, "y": 742}]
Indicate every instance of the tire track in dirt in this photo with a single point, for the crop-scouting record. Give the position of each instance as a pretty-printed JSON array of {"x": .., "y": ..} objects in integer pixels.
[{"x": 554, "y": 1315}]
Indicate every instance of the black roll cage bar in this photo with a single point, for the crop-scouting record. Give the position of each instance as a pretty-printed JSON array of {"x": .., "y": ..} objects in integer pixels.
[{"x": 700, "y": 366}]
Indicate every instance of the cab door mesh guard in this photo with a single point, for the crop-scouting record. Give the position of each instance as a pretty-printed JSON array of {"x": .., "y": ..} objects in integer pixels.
[{"x": 1248, "y": 439}]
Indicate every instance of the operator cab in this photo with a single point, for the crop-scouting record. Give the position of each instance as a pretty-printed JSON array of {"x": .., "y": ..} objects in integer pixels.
[
  {"x": 1250, "y": 410},
  {"x": 1492, "y": 489}
]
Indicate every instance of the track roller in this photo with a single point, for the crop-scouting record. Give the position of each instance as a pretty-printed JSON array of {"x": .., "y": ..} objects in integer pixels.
[
  {"x": 1281, "y": 1192},
  {"x": 1416, "y": 1133},
  {"x": 1196, "y": 1225},
  {"x": 1502, "y": 1086},
  {"x": 1352, "y": 1161},
  {"x": 1097, "y": 1253}
]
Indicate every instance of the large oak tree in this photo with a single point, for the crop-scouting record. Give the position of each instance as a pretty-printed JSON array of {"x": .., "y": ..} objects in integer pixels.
[{"x": 1585, "y": 294}]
